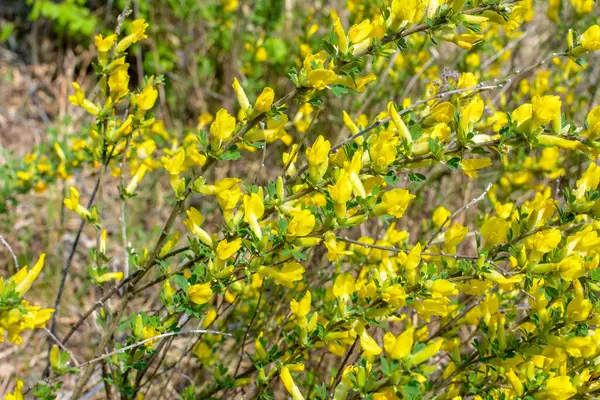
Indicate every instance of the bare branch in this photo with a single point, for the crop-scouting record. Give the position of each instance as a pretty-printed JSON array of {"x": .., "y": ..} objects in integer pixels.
[
  {"x": 10, "y": 250},
  {"x": 142, "y": 342}
]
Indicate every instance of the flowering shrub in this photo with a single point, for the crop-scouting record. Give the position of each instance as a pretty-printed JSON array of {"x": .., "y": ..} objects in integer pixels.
[{"x": 306, "y": 285}]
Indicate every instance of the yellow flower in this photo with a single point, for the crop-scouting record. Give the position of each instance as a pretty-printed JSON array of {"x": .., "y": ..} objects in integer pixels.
[
  {"x": 118, "y": 81},
  {"x": 559, "y": 388},
  {"x": 109, "y": 276},
  {"x": 545, "y": 109},
  {"x": 259, "y": 350},
  {"x": 146, "y": 99},
  {"x": 466, "y": 40},
  {"x": 394, "y": 202},
  {"x": 318, "y": 158},
  {"x": 515, "y": 382},
  {"x": 301, "y": 308},
  {"x": 369, "y": 345},
  {"x": 223, "y": 125},
  {"x": 289, "y": 384},
  {"x": 24, "y": 278},
  {"x": 442, "y": 112},
  {"x": 340, "y": 35},
  {"x": 387, "y": 393},
  {"x": 138, "y": 32},
  {"x": 437, "y": 305},
  {"x": 241, "y": 95},
  {"x": 444, "y": 287},
  {"x": 361, "y": 34},
  {"x": 472, "y": 112},
  {"x": 229, "y": 5},
  {"x": 174, "y": 164},
  {"x": 426, "y": 353},
  {"x": 393, "y": 295},
  {"x": 406, "y": 10},
  {"x": 104, "y": 44},
  {"x": 588, "y": 181},
  {"x": 413, "y": 258},
  {"x": 200, "y": 293},
  {"x": 335, "y": 250},
  {"x": 593, "y": 120},
  {"x": 544, "y": 241},
  {"x": 581, "y": 347},
  {"x": 466, "y": 80},
  {"x": 341, "y": 193},
  {"x": 453, "y": 236},
  {"x": 494, "y": 231},
  {"x": 471, "y": 165},
  {"x": 302, "y": 223},
  {"x": 226, "y": 250},
  {"x": 18, "y": 317},
  {"x": 440, "y": 215},
  {"x": 320, "y": 78},
  {"x": 203, "y": 352},
  {"x": 72, "y": 203},
  {"x": 289, "y": 273},
  {"x": 79, "y": 100},
  {"x": 17, "y": 394},
  {"x": 399, "y": 123},
  {"x": 579, "y": 308},
  {"x": 168, "y": 292},
  {"x": 193, "y": 222},
  {"x": 209, "y": 318},
  {"x": 254, "y": 209},
  {"x": 475, "y": 287},
  {"x": 399, "y": 347},
  {"x": 54, "y": 358},
  {"x": 141, "y": 171},
  {"x": 264, "y": 102},
  {"x": 382, "y": 150},
  {"x": 590, "y": 39},
  {"x": 358, "y": 84},
  {"x": 523, "y": 115},
  {"x": 319, "y": 152},
  {"x": 344, "y": 286}
]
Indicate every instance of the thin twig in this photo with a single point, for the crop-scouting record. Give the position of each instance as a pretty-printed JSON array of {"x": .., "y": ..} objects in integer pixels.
[
  {"x": 338, "y": 376},
  {"x": 455, "y": 213},
  {"x": 397, "y": 250},
  {"x": 365, "y": 100},
  {"x": 10, "y": 250},
  {"x": 123, "y": 209},
  {"x": 153, "y": 338},
  {"x": 239, "y": 363},
  {"x": 62, "y": 346},
  {"x": 67, "y": 267},
  {"x": 413, "y": 81},
  {"x": 121, "y": 18},
  {"x": 297, "y": 149}
]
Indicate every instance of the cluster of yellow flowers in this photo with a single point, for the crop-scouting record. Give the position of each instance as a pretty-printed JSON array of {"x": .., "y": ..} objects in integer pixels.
[
  {"x": 399, "y": 316},
  {"x": 16, "y": 314}
]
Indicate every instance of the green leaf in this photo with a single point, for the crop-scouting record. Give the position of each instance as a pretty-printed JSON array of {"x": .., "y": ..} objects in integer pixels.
[
  {"x": 230, "y": 155},
  {"x": 454, "y": 163},
  {"x": 551, "y": 292},
  {"x": 338, "y": 90},
  {"x": 412, "y": 390},
  {"x": 299, "y": 256},
  {"x": 416, "y": 177},
  {"x": 391, "y": 179}
]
